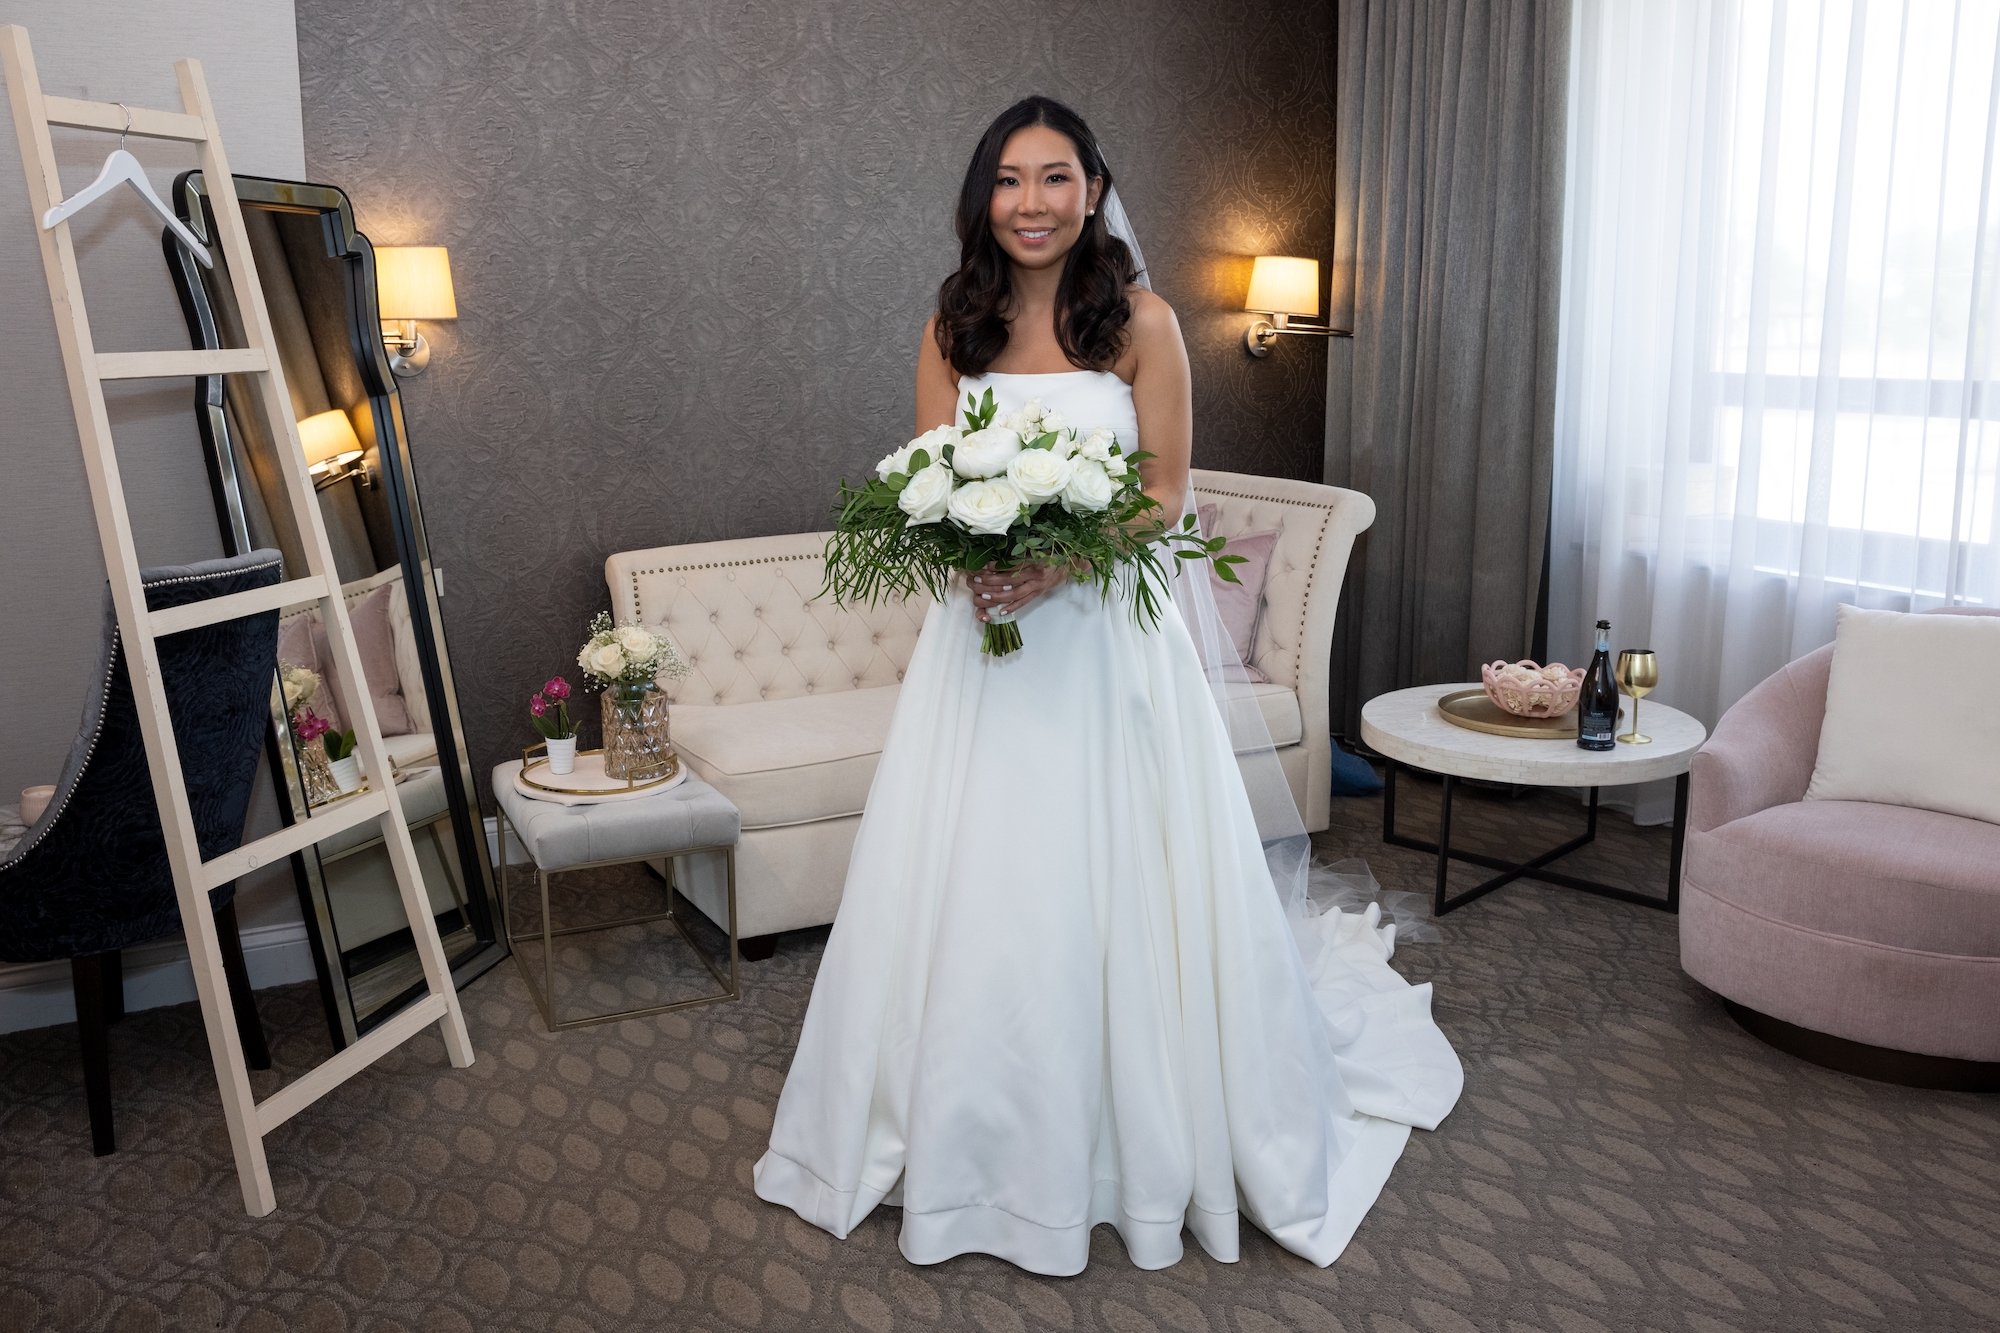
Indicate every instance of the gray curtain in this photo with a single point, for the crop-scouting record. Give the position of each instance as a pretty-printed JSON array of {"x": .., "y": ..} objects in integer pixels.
[{"x": 1448, "y": 242}]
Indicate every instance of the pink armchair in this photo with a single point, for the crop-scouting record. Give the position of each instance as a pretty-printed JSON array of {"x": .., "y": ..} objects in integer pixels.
[{"x": 1865, "y": 937}]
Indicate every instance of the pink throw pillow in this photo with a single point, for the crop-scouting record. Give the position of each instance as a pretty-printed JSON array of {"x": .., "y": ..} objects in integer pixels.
[
  {"x": 376, "y": 643},
  {"x": 1240, "y": 604},
  {"x": 302, "y": 643}
]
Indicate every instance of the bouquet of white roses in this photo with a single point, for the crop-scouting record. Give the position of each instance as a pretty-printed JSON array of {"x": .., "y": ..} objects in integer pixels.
[
  {"x": 625, "y": 657},
  {"x": 1026, "y": 488}
]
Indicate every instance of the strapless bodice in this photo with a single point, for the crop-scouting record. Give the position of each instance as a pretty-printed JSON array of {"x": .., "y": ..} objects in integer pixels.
[{"x": 1088, "y": 399}]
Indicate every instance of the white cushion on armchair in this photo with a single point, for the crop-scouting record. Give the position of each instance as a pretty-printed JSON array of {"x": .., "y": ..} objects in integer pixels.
[{"x": 1882, "y": 742}]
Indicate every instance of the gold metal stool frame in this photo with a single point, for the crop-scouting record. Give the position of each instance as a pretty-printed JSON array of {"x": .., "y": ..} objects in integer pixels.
[{"x": 545, "y": 993}]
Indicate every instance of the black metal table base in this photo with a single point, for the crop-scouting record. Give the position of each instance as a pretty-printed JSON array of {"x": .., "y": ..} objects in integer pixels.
[{"x": 1536, "y": 868}]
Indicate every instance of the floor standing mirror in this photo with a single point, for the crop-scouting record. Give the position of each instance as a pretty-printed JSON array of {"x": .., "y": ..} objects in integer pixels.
[{"x": 318, "y": 277}]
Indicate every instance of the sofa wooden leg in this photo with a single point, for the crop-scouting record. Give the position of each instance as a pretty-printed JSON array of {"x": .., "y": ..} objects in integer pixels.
[
  {"x": 757, "y": 948},
  {"x": 93, "y": 1030}
]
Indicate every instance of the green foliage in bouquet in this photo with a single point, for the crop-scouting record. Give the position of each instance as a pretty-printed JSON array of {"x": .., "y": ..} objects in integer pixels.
[{"x": 959, "y": 499}]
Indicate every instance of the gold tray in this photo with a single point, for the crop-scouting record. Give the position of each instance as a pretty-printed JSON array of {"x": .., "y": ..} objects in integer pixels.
[
  {"x": 536, "y": 757},
  {"x": 1472, "y": 710}
]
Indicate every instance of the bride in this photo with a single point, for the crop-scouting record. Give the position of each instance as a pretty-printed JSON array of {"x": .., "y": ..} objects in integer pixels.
[{"x": 1063, "y": 987}]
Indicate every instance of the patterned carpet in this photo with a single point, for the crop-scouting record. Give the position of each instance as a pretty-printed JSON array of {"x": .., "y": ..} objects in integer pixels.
[{"x": 1624, "y": 1159}]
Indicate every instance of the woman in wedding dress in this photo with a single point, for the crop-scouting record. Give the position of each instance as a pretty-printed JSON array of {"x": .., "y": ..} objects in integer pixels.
[{"x": 1062, "y": 988}]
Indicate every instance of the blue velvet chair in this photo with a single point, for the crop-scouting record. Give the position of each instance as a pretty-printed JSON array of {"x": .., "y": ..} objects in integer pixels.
[{"x": 91, "y": 876}]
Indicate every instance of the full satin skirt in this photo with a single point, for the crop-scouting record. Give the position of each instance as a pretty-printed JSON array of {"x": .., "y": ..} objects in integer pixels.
[{"x": 1061, "y": 990}]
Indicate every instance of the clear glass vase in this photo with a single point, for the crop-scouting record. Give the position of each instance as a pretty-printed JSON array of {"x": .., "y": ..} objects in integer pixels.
[{"x": 637, "y": 747}]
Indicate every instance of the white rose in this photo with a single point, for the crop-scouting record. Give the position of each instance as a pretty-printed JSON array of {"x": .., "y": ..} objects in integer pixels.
[
  {"x": 898, "y": 461},
  {"x": 928, "y": 494},
  {"x": 604, "y": 659},
  {"x": 988, "y": 507},
  {"x": 1018, "y": 422},
  {"x": 637, "y": 643},
  {"x": 1033, "y": 409},
  {"x": 1038, "y": 474},
  {"x": 1065, "y": 445},
  {"x": 1115, "y": 465},
  {"x": 1098, "y": 445},
  {"x": 985, "y": 453},
  {"x": 931, "y": 441},
  {"x": 1054, "y": 421},
  {"x": 1090, "y": 488}
]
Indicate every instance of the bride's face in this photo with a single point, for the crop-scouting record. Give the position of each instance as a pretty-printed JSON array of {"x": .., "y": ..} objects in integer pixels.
[{"x": 1040, "y": 197}]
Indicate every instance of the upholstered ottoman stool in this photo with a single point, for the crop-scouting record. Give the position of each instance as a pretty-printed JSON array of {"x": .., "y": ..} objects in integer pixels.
[{"x": 689, "y": 819}]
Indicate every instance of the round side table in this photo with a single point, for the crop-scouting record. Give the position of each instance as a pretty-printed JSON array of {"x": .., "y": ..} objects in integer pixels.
[{"x": 1406, "y": 728}]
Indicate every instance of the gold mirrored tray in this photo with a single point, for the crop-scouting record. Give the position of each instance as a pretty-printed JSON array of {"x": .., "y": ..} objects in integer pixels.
[
  {"x": 589, "y": 777},
  {"x": 1472, "y": 710}
]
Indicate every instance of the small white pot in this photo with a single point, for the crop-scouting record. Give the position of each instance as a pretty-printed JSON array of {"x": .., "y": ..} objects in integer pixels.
[
  {"x": 346, "y": 772},
  {"x": 562, "y": 755}
]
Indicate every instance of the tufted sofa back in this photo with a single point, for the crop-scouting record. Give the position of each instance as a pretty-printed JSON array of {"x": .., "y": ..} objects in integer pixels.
[
  {"x": 743, "y": 611},
  {"x": 743, "y": 614}
]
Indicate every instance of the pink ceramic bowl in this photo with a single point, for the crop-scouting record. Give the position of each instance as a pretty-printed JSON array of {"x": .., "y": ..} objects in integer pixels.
[{"x": 1532, "y": 696}]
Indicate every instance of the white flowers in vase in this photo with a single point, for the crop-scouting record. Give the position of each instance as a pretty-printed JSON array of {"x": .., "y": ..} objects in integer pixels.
[{"x": 627, "y": 655}]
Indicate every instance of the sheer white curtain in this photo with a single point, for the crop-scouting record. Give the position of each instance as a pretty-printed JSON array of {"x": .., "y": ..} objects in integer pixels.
[{"x": 1776, "y": 385}]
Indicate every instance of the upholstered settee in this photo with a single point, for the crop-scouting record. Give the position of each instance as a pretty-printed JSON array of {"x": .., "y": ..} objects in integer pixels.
[
  {"x": 788, "y": 698},
  {"x": 1849, "y": 932}
]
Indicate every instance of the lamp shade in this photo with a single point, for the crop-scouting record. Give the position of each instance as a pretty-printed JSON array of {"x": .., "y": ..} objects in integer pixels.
[
  {"x": 414, "y": 282},
  {"x": 1284, "y": 286},
  {"x": 329, "y": 437}
]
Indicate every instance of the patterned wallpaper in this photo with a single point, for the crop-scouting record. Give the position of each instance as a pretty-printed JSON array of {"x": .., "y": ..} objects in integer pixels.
[{"x": 694, "y": 244}]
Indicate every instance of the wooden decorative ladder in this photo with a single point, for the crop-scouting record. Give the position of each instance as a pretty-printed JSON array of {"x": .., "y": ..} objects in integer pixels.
[{"x": 249, "y": 1120}]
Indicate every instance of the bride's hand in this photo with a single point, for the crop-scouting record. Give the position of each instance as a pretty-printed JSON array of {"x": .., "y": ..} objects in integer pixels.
[{"x": 997, "y": 589}]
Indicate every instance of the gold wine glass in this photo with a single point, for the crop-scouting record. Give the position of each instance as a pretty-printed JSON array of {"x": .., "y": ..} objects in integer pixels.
[{"x": 1639, "y": 674}]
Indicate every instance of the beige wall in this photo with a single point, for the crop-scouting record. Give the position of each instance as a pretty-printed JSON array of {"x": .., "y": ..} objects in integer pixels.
[{"x": 51, "y": 589}]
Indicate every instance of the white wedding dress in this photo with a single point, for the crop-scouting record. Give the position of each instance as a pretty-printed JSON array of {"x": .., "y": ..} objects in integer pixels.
[{"x": 1061, "y": 989}]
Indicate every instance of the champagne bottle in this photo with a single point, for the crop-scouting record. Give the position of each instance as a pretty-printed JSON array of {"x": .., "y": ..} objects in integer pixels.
[{"x": 1597, "y": 702}]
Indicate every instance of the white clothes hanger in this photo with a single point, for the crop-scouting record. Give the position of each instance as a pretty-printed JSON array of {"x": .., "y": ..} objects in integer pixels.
[{"x": 121, "y": 168}]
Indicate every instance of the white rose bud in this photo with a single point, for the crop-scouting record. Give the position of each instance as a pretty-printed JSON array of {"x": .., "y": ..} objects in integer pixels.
[
  {"x": 928, "y": 494},
  {"x": 988, "y": 507},
  {"x": 1090, "y": 488},
  {"x": 1054, "y": 421},
  {"x": 1115, "y": 465},
  {"x": 1065, "y": 445},
  {"x": 1038, "y": 474},
  {"x": 1097, "y": 446},
  {"x": 1033, "y": 410},
  {"x": 986, "y": 453},
  {"x": 1015, "y": 421}
]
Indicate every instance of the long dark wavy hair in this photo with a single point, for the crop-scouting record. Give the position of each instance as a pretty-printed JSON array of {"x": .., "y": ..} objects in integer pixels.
[{"x": 1092, "y": 307}]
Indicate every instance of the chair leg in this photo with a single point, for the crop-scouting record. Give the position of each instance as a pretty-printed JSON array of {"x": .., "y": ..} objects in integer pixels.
[
  {"x": 114, "y": 984},
  {"x": 249, "y": 1029},
  {"x": 87, "y": 980}
]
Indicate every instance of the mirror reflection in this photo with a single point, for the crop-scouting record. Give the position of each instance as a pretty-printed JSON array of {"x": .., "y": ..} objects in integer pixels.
[{"x": 318, "y": 278}]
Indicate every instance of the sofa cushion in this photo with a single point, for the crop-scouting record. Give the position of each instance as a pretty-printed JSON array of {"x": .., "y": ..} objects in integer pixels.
[
  {"x": 1914, "y": 879},
  {"x": 789, "y": 761},
  {"x": 1278, "y": 706}
]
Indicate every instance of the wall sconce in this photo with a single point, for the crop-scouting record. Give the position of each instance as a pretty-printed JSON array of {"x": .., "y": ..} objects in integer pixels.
[
  {"x": 333, "y": 450},
  {"x": 412, "y": 282},
  {"x": 1281, "y": 287}
]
